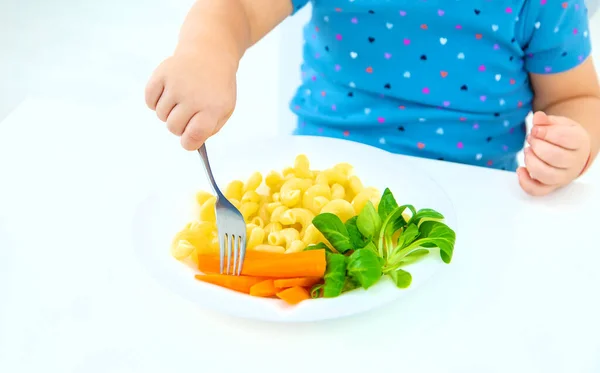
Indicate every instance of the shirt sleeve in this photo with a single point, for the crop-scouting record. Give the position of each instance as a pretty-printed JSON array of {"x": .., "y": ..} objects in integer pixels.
[
  {"x": 298, "y": 4},
  {"x": 560, "y": 37}
]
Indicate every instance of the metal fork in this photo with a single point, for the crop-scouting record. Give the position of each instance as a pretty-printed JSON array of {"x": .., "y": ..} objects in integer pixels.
[{"x": 231, "y": 227}]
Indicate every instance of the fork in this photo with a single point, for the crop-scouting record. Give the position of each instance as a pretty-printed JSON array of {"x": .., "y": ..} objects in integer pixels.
[{"x": 231, "y": 227}]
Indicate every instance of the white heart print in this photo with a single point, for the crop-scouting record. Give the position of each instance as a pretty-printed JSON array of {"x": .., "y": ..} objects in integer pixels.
[
  {"x": 326, "y": 19},
  {"x": 502, "y": 102},
  {"x": 421, "y": 119},
  {"x": 506, "y": 123},
  {"x": 382, "y": 140},
  {"x": 407, "y": 74},
  {"x": 352, "y": 85},
  {"x": 478, "y": 156},
  {"x": 353, "y": 55},
  {"x": 440, "y": 131},
  {"x": 494, "y": 28},
  {"x": 389, "y": 25},
  {"x": 537, "y": 24},
  {"x": 443, "y": 41},
  {"x": 367, "y": 111},
  {"x": 498, "y": 77},
  {"x": 461, "y": 56}
]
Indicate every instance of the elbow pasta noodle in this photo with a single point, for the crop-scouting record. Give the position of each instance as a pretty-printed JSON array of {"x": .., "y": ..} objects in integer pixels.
[
  {"x": 278, "y": 216},
  {"x": 253, "y": 182},
  {"x": 255, "y": 237},
  {"x": 273, "y": 180},
  {"x": 345, "y": 168},
  {"x": 295, "y": 247},
  {"x": 338, "y": 191},
  {"x": 273, "y": 227},
  {"x": 202, "y": 197},
  {"x": 250, "y": 196},
  {"x": 207, "y": 210},
  {"x": 234, "y": 190},
  {"x": 340, "y": 207}
]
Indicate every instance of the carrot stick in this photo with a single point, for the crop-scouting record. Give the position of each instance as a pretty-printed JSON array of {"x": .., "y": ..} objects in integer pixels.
[
  {"x": 294, "y": 295},
  {"x": 265, "y": 288},
  {"x": 310, "y": 263},
  {"x": 237, "y": 283},
  {"x": 299, "y": 281}
]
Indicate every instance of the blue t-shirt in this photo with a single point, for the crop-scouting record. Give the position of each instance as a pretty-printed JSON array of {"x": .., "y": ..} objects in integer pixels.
[{"x": 445, "y": 79}]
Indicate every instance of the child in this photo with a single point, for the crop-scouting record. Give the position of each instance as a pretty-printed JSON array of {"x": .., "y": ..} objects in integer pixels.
[{"x": 445, "y": 79}]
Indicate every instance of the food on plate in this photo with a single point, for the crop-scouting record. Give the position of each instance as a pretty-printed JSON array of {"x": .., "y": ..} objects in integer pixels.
[
  {"x": 314, "y": 234},
  {"x": 264, "y": 288},
  {"x": 294, "y": 295},
  {"x": 310, "y": 263}
]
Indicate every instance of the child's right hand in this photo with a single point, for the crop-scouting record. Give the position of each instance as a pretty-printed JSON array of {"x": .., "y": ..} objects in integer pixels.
[{"x": 194, "y": 92}]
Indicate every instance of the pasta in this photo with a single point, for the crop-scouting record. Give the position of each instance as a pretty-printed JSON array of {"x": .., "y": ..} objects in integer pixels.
[{"x": 278, "y": 208}]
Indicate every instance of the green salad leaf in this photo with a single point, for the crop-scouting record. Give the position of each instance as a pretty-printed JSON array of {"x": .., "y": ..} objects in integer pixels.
[
  {"x": 356, "y": 238},
  {"x": 319, "y": 246},
  {"x": 331, "y": 226},
  {"x": 335, "y": 275},
  {"x": 379, "y": 242},
  {"x": 410, "y": 233},
  {"x": 401, "y": 278},
  {"x": 364, "y": 266},
  {"x": 387, "y": 204},
  {"x": 368, "y": 221},
  {"x": 425, "y": 215}
]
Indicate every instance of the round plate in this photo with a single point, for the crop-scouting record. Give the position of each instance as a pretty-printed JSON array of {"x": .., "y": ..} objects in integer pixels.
[{"x": 165, "y": 212}]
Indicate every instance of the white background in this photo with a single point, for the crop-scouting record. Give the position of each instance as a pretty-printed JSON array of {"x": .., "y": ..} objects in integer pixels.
[{"x": 523, "y": 301}]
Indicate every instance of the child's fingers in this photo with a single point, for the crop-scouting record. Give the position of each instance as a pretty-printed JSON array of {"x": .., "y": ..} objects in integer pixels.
[
  {"x": 543, "y": 172},
  {"x": 566, "y": 137},
  {"x": 179, "y": 118},
  {"x": 165, "y": 105},
  {"x": 551, "y": 154},
  {"x": 530, "y": 186},
  {"x": 200, "y": 127},
  {"x": 154, "y": 90}
]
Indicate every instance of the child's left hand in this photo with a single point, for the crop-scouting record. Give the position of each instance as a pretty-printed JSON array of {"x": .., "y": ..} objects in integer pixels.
[{"x": 558, "y": 153}]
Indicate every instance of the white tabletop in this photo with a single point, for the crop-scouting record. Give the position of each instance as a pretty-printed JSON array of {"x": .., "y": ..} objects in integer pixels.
[{"x": 520, "y": 296}]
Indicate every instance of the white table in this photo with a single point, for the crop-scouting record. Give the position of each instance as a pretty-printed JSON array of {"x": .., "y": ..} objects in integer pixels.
[{"x": 520, "y": 296}]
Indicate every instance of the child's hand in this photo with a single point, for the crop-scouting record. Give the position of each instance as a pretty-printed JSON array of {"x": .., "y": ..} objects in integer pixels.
[
  {"x": 558, "y": 153},
  {"x": 194, "y": 92}
]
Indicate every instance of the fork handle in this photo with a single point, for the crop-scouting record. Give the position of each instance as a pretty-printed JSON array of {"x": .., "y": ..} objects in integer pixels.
[{"x": 207, "y": 169}]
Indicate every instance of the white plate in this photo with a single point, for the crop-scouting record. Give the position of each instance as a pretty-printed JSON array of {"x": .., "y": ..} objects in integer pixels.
[{"x": 165, "y": 212}]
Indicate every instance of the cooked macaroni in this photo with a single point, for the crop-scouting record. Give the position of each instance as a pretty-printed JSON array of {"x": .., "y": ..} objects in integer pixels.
[{"x": 279, "y": 208}]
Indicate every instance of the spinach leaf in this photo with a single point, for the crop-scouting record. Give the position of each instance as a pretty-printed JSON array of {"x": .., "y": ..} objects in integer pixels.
[
  {"x": 434, "y": 234},
  {"x": 335, "y": 275},
  {"x": 408, "y": 236},
  {"x": 371, "y": 246},
  {"x": 356, "y": 238},
  {"x": 401, "y": 278},
  {"x": 425, "y": 214},
  {"x": 368, "y": 222},
  {"x": 364, "y": 266},
  {"x": 394, "y": 219},
  {"x": 387, "y": 204},
  {"x": 334, "y": 231},
  {"x": 319, "y": 246}
]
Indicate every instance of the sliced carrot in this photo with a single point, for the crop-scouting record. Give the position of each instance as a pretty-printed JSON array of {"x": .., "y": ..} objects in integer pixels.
[
  {"x": 299, "y": 281},
  {"x": 237, "y": 283},
  {"x": 310, "y": 263},
  {"x": 294, "y": 295},
  {"x": 264, "y": 288}
]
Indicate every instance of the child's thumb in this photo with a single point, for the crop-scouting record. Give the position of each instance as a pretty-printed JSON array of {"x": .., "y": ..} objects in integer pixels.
[{"x": 541, "y": 119}]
